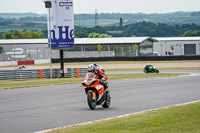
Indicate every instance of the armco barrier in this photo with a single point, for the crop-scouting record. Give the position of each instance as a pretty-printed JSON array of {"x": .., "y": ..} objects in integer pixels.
[
  {"x": 18, "y": 74},
  {"x": 40, "y": 73},
  {"x": 138, "y": 58}
]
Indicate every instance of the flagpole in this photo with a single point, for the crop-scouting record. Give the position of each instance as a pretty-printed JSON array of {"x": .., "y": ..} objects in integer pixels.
[{"x": 49, "y": 5}]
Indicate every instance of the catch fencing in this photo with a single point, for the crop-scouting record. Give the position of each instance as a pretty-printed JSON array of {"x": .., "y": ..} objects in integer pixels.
[
  {"x": 136, "y": 58},
  {"x": 41, "y": 73}
]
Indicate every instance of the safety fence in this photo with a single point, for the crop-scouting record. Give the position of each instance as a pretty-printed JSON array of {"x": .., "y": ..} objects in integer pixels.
[
  {"x": 41, "y": 73},
  {"x": 136, "y": 58}
]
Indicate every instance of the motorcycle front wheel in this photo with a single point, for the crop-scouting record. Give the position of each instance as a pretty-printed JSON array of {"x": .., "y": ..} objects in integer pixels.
[{"x": 90, "y": 100}]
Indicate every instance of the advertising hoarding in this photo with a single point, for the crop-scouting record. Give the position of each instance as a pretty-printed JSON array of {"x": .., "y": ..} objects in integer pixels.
[{"x": 61, "y": 24}]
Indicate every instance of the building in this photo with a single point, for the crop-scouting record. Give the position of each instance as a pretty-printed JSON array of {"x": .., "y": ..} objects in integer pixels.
[
  {"x": 35, "y": 49},
  {"x": 177, "y": 46}
]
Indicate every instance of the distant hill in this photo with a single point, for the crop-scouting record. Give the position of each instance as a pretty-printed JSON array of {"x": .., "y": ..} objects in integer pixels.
[
  {"x": 107, "y": 19},
  {"x": 139, "y": 24},
  {"x": 19, "y": 15},
  {"x": 114, "y": 18}
]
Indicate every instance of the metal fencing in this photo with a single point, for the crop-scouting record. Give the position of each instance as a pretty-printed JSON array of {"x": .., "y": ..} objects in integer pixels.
[
  {"x": 35, "y": 73},
  {"x": 138, "y": 58}
]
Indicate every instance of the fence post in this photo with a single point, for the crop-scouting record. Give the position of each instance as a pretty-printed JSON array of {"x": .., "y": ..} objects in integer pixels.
[
  {"x": 77, "y": 72},
  {"x": 40, "y": 74}
]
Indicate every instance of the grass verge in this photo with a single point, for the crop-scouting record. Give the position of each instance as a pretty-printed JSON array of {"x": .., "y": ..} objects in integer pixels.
[
  {"x": 177, "y": 119},
  {"x": 10, "y": 84}
]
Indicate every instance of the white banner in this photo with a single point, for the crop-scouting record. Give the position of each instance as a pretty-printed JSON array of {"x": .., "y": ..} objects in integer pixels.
[{"x": 61, "y": 24}]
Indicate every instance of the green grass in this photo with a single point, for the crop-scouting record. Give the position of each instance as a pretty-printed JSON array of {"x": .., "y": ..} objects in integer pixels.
[
  {"x": 177, "y": 119},
  {"x": 10, "y": 84}
]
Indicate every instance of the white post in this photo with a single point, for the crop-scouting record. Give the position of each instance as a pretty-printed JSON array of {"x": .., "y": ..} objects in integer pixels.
[
  {"x": 50, "y": 45},
  {"x": 161, "y": 49}
]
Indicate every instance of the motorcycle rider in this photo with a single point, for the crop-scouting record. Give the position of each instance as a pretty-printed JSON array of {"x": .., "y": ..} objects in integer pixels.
[
  {"x": 99, "y": 74},
  {"x": 148, "y": 67}
]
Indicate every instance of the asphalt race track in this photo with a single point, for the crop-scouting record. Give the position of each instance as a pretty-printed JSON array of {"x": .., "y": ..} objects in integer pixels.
[{"x": 40, "y": 108}]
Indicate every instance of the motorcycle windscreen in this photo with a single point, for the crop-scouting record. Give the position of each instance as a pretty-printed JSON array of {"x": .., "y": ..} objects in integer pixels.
[{"x": 89, "y": 76}]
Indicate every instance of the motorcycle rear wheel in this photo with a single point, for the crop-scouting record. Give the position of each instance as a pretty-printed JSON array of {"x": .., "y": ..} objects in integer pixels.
[{"x": 90, "y": 100}]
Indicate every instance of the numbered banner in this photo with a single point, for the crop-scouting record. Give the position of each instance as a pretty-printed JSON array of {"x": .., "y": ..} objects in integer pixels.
[{"x": 61, "y": 24}]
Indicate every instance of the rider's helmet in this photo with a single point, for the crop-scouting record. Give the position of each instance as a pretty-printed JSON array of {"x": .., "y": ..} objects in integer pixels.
[{"x": 91, "y": 68}]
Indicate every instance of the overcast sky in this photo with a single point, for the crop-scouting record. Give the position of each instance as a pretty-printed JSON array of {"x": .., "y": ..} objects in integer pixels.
[{"x": 105, "y": 6}]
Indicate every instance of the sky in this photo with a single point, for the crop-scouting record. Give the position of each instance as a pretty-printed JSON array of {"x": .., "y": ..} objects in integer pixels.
[{"x": 104, "y": 6}]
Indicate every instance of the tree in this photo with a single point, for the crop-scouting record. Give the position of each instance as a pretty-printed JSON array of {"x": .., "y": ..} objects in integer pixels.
[
  {"x": 99, "y": 47},
  {"x": 80, "y": 35},
  {"x": 191, "y": 33},
  {"x": 17, "y": 34},
  {"x": 135, "y": 48},
  {"x": 1, "y": 50},
  {"x": 27, "y": 34},
  {"x": 98, "y": 35},
  {"x": 36, "y": 34},
  {"x": 172, "y": 47},
  {"x": 94, "y": 35},
  {"x": 7, "y": 35},
  {"x": 105, "y": 36},
  {"x": 29, "y": 55}
]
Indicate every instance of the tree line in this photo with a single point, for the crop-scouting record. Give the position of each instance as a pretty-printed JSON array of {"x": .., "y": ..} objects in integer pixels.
[
  {"x": 136, "y": 29},
  {"x": 17, "y": 34},
  {"x": 141, "y": 29}
]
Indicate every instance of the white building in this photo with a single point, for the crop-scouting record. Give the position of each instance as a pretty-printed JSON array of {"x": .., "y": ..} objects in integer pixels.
[
  {"x": 182, "y": 46},
  {"x": 31, "y": 49}
]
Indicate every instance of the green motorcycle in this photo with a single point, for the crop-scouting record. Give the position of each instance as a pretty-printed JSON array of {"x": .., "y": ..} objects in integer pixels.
[{"x": 150, "y": 69}]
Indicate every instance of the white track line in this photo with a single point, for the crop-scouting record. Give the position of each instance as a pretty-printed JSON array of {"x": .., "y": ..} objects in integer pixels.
[
  {"x": 116, "y": 117},
  {"x": 189, "y": 75}
]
